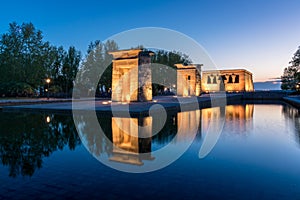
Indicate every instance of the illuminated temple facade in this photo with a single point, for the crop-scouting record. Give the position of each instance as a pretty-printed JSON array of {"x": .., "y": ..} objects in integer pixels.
[
  {"x": 188, "y": 80},
  {"x": 132, "y": 78},
  {"x": 233, "y": 80},
  {"x": 131, "y": 75}
]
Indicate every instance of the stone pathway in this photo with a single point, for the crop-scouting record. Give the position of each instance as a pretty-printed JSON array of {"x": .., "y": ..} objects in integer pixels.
[{"x": 169, "y": 103}]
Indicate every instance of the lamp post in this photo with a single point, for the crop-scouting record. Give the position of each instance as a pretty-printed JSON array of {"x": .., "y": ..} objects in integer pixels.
[
  {"x": 48, "y": 80},
  {"x": 297, "y": 86}
]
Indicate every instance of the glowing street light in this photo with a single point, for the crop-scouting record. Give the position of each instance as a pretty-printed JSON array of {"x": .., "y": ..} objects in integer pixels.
[
  {"x": 48, "y": 119},
  {"x": 48, "y": 80}
]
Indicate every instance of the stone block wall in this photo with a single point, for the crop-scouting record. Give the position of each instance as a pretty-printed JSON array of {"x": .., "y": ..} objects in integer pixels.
[
  {"x": 131, "y": 76},
  {"x": 188, "y": 80},
  {"x": 234, "y": 80}
]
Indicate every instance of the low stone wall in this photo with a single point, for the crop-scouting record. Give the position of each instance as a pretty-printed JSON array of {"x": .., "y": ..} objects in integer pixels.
[
  {"x": 294, "y": 101},
  {"x": 265, "y": 95}
]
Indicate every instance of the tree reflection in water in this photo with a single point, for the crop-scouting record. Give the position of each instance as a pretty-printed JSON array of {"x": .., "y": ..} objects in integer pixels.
[
  {"x": 293, "y": 114},
  {"x": 25, "y": 139}
]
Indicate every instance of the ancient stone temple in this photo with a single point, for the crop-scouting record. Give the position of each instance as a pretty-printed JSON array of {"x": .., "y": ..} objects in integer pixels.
[
  {"x": 188, "y": 80},
  {"x": 131, "y": 75},
  {"x": 233, "y": 80}
]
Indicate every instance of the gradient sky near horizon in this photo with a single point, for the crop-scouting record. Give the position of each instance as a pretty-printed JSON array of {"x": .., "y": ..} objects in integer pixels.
[{"x": 258, "y": 35}]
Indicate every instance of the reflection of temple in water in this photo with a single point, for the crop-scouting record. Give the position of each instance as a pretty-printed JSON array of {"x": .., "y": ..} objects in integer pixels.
[
  {"x": 236, "y": 117},
  {"x": 131, "y": 138},
  {"x": 187, "y": 124}
]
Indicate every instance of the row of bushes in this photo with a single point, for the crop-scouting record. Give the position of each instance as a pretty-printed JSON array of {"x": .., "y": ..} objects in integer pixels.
[
  {"x": 21, "y": 89},
  {"x": 13, "y": 89}
]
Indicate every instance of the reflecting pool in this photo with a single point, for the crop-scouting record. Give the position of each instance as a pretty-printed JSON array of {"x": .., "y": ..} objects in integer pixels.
[{"x": 257, "y": 155}]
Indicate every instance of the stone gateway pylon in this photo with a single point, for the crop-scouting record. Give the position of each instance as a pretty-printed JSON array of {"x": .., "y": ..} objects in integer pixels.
[
  {"x": 188, "y": 80},
  {"x": 131, "y": 75}
]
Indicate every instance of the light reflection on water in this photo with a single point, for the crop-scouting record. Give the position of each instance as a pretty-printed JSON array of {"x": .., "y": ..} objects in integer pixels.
[{"x": 257, "y": 154}]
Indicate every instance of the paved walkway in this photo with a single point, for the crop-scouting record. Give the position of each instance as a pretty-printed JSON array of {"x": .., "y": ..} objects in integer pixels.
[
  {"x": 30, "y": 100},
  {"x": 22, "y": 101},
  {"x": 170, "y": 103}
]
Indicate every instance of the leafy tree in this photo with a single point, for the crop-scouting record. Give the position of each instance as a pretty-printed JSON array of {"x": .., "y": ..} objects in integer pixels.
[
  {"x": 26, "y": 60},
  {"x": 70, "y": 66},
  {"x": 22, "y": 55},
  {"x": 289, "y": 78},
  {"x": 96, "y": 62},
  {"x": 56, "y": 56},
  {"x": 163, "y": 73},
  {"x": 291, "y": 75}
]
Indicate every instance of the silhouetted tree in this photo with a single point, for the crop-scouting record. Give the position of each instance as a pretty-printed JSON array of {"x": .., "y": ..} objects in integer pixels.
[
  {"x": 165, "y": 73},
  {"x": 26, "y": 60},
  {"x": 291, "y": 75},
  {"x": 22, "y": 55},
  {"x": 97, "y": 65},
  {"x": 70, "y": 66}
]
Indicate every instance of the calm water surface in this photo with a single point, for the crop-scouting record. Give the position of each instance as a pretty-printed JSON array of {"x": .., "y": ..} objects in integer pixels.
[{"x": 256, "y": 156}]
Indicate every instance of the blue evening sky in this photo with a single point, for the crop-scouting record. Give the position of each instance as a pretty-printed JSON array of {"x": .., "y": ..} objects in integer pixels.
[{"x": 259, "y": 35}]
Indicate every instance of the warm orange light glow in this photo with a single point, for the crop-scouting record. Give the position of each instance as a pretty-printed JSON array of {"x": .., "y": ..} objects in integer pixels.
[
  {"x": 128, "y": 98},
  {"x": 48, "y": 119},
  {"x": 233, "y": 80},
  {"x": 48, "y": 80},
  {"x": 185, "y": 92},
  {"x": 233, "y": 113},
  {"x": 127, "y": 144},
  {"x": 127, "y": 84},
  {"x": 187, "y": 122}
]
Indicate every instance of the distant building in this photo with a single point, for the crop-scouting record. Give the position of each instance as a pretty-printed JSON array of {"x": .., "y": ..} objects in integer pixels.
[
  {"x": 188, "y": 80},
  {"x": 232, "y": 80},
  {"x": 131, "y": 75}
]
